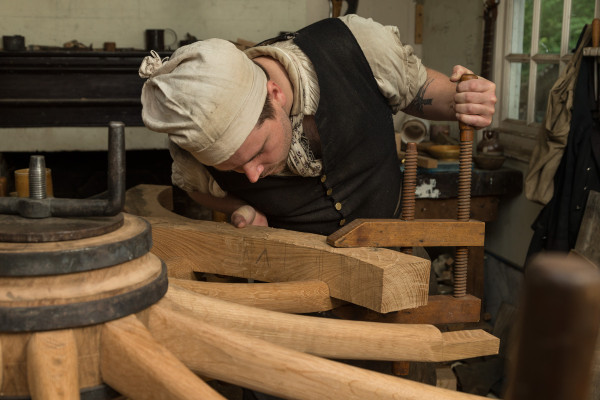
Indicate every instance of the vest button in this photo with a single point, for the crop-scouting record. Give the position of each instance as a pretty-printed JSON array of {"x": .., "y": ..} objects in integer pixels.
[
  {"x": 323, "y": 178},
  {"x": 329, "y": 191},
  {"x": 338, "y": 206},
  {"x": 342, "y": 222}
]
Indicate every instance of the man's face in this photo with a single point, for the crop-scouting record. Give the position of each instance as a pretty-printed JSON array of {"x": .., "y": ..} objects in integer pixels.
[{"x": 265, "y": 150}]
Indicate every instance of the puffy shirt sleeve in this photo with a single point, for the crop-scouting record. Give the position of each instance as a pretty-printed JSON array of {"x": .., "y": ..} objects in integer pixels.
[
  {"x": 190, "y": 174},
  {"x": 397, "y": 70}
]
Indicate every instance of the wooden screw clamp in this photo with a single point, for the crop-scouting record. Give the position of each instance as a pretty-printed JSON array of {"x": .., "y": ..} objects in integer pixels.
[
  {"x": 464, "y": 199},
  {"x": 408, "y": 187}
]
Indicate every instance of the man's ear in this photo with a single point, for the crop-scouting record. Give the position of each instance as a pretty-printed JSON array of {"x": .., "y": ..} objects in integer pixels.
[{"x": 276, "y": 93}]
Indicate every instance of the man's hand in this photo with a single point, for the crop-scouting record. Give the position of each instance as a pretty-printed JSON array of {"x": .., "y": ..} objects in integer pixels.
[
  {"x": 247, "y": 215},
  {"x": 474, "y": 100}
]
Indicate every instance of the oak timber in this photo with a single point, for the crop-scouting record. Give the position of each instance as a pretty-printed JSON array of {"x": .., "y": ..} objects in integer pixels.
[
  {"x": 440, "y": 309},
  {"x": 14, "y": 380},
  {"x": 52, "y": 370},
  {"x": 419, "y": 232},
  {"x": 138, "y": 367},
  {"x": 291, "y": 297},
  {"x": 379, "y": 279},
  {"x": 229, "y": 356},
  {"x": 333, "y": 338}
]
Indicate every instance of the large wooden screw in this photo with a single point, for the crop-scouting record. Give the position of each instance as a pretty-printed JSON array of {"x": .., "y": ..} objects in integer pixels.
[{"x": 467, "y": 133}]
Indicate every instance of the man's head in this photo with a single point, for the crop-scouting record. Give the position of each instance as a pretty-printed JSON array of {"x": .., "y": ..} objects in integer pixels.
[{"x": 208, "y": 97}]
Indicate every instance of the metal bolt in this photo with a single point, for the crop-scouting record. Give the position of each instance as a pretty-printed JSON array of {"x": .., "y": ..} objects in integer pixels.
[{"x": 37, "y": 177}]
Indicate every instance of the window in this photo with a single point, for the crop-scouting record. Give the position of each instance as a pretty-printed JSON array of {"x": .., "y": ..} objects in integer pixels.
[{"x": 534, "y": 41}]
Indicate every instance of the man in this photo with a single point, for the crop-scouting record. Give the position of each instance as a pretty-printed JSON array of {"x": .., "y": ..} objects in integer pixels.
[{"x": 298, "y": 133}]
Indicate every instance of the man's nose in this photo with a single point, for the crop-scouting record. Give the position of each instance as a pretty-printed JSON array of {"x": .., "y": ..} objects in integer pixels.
[{"x": 253, "y": 171}]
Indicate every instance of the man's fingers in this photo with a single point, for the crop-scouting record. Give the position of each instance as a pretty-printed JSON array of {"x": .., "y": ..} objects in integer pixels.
[
  {"x": 459, "y": 71},
  {"x": 243, "y": 216}
]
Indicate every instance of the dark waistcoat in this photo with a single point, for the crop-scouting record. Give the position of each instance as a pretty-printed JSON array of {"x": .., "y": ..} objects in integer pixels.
[{"x": 361, "y": 175}]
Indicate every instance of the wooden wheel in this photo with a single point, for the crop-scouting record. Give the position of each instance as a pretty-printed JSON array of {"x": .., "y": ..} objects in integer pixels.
[{"x": 122, "y": 329}]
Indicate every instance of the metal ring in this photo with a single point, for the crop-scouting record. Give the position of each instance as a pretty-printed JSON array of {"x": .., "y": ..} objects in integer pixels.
[{"x": 77, "y": 260}]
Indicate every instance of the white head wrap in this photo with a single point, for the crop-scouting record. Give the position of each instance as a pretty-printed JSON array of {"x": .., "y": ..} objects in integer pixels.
[{"x": 207, "y": 97}]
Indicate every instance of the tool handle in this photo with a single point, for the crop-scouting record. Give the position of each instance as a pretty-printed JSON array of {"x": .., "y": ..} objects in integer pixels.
[{"x": 596, "y": 32}]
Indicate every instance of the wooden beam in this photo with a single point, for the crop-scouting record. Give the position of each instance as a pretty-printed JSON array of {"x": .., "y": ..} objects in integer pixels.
[
  {"x": 440, "y": 309},
  {"x": 245, "y": 361},
  {"x": 138, "y": 367},
  {"x": 52, "y": 370},
  {"x": 380, "y": 279},
  {"x": 292, "y": 297},
  {"x": 339, "y": 339},
  {"x": 419, "y": 232}
]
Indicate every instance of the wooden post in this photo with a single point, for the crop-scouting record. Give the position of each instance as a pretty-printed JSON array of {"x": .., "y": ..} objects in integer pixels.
[
  {"x": 557, "y": 330},
  {"x": 52, "y": 365}
]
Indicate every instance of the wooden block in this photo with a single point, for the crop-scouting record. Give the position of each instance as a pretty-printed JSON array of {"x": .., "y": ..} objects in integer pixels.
[
  {"x": 422, "y": 233},
  {"x": 135, "y": 365},
  {"x": 229, "y": 356},
  {"x": 379, "y": 279},
  {"x": 291, "y": 297},
  {"x": 440, "y": 309}
]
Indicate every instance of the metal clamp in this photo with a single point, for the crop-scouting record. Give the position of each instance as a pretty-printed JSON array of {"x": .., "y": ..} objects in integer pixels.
[{"x": 38, "y": 206}]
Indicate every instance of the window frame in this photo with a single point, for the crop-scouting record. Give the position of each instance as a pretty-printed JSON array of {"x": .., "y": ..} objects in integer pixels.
[{"x": 520, "y": 136}]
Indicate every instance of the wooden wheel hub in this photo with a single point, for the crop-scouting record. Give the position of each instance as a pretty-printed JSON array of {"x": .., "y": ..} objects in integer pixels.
[{"x": 55, "y": 296}]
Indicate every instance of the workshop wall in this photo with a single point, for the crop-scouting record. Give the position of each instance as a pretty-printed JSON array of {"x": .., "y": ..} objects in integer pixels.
[{"x": 91, "y": 23}]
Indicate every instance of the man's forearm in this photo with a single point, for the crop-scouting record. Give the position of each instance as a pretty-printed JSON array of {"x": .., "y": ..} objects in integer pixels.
[
  {"x": 435, "y": 99},
  {"x": 444, "y": 98}
]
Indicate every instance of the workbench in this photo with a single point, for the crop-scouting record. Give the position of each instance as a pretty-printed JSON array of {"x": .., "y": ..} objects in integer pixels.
[{"x": 436, "y": 197}]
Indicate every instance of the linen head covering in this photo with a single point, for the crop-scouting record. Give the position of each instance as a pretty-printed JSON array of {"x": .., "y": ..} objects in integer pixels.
[{"x": 207, "y": 97}]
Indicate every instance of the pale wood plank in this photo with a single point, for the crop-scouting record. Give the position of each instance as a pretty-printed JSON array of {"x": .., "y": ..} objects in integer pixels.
[
  {"x": 335, "y": 338},
  {"x": 469, "y": 343},
  {"x": 418, "y": 232},
  {"x": 256, "y": 364},
  {"x": 138, "y": 367},
  {"x": 379, "y": 279},
  {"x": 292, "y": 297},
  {"x": 52, "y": 369}
]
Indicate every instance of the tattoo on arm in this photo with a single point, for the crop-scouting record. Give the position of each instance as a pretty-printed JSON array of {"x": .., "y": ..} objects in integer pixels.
[{"x": 416, "y": 106}]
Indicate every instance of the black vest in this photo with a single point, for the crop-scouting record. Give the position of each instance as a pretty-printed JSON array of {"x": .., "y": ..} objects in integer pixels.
[{"x": 361, "y": 175}]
